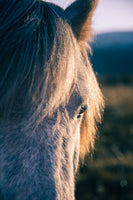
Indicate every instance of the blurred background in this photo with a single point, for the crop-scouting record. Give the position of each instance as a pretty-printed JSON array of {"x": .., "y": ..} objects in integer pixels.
[{"x": 108, "y": 175}]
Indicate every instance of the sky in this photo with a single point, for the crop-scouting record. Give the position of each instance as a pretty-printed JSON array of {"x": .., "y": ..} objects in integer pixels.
[{"x": 110, "y": 15}]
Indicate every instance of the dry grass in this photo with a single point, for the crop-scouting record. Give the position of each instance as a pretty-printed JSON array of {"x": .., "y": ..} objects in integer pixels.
[
  {"x": 120, "y": 98},
  {"x": 109, "y": 174}
]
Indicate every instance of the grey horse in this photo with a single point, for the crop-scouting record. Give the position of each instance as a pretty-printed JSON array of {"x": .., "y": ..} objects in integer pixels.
[{"x": 50, "y": 101}]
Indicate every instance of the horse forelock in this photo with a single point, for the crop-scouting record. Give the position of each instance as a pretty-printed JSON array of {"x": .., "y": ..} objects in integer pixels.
[
  {"x": 41, "y": 60},
  {"x": 42, "y": 65}
]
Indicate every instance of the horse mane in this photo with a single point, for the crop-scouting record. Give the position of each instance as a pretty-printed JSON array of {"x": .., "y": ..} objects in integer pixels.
[
  {"x": 38, "y": 48},
  {"x": 93, "y": 98},
  {"x": 92, "y": 116}
]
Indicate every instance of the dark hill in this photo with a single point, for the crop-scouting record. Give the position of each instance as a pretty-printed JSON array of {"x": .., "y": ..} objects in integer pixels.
[{"x": 113, "y": 53}]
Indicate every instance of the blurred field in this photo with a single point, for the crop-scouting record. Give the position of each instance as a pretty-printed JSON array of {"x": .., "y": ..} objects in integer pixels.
[{"x": 109, "y": 174}]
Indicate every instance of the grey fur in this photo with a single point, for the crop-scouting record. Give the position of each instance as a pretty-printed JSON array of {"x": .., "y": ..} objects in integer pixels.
[{"x": 45, "y": 80}]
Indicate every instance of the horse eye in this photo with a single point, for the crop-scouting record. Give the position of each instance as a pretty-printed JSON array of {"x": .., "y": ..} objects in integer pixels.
[{"x": 82, "y": 110}]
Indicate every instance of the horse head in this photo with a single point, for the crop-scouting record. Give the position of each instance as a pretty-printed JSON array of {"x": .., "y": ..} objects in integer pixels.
[{"x": 50, "y": 101}]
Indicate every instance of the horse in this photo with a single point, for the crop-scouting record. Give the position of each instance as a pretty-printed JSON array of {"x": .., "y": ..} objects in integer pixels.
[{"x": 50, "y": 100}]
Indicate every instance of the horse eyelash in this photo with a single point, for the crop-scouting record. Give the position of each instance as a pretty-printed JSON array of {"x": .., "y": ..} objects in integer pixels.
[{"x": 82, "y": 110}]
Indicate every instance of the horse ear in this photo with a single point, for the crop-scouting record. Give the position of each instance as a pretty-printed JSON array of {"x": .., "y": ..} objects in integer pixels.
[{"x": 79, "y": 16}]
